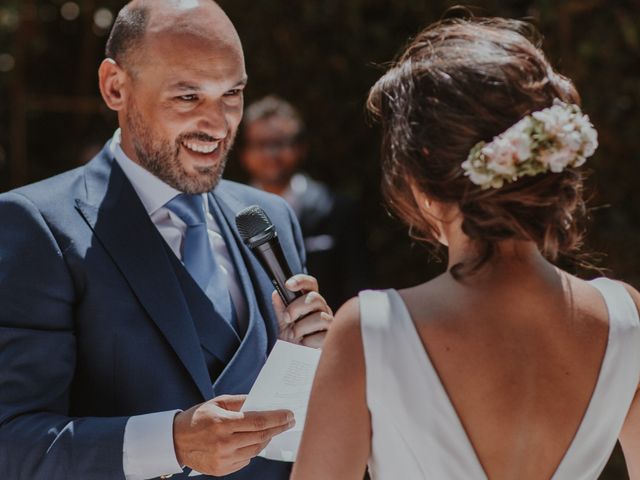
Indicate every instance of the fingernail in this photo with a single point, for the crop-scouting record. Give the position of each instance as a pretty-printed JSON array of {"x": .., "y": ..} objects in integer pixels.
[
  {"x": 290, "y": 417},
  {"x": 287, "y": 317},
  {"x": 311, "y": 297},
  {"x": 292, "y": 283},
  {"x": 292, "y": 423}
]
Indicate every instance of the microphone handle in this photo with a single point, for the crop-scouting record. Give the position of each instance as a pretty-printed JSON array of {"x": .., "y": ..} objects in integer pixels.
[{"x": 272, "y": 259}]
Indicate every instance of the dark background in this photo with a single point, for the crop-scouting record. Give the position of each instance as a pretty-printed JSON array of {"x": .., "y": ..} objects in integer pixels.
[{"x": 323, "y": 55}]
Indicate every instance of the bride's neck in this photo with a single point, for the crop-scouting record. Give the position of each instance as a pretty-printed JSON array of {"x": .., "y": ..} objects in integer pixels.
[{"x": 507, "y": 255}]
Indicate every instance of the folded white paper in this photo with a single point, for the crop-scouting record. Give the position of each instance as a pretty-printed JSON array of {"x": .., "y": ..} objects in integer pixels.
[{"x": 285, "y": 383}]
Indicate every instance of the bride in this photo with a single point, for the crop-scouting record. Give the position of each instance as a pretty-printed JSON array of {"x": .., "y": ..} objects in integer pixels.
[{"x": 505, "y": 366}]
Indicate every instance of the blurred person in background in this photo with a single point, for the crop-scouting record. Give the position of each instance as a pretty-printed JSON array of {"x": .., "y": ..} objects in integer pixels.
[{"x": 272, "y": 152}]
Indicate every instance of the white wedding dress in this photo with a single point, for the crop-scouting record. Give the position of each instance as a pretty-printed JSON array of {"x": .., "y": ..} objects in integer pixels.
[{"x": 416, "y": 431}]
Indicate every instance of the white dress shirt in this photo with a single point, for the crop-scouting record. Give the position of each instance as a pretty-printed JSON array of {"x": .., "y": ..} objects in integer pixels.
[{"x": 148, "y": 449}]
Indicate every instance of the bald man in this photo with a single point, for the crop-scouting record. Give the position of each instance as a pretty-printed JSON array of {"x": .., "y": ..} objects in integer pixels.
[{"x": 132, "y": 317}]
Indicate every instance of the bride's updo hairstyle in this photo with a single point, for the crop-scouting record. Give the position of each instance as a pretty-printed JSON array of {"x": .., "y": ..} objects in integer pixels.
[{"x": 460, "y": 82}]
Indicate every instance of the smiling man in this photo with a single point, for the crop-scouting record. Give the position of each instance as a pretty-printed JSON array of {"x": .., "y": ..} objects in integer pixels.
[{"x": 133, "y": 319}]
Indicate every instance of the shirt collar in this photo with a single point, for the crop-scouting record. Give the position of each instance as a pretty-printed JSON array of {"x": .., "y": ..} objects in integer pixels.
[{"x": 153, "y": 192}]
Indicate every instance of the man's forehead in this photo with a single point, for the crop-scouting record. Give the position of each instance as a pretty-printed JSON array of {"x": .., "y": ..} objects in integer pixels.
[
  {"x": 189, "y": 41},
  {"x": 176, "y": 65},
  {"x": 191, "y": 17}
]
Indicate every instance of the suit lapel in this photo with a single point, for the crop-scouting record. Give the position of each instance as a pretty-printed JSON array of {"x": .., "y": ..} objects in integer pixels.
[{"x": 116, "y": 215}]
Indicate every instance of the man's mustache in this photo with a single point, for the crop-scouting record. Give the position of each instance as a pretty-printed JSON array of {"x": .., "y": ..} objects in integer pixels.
[{"x": 203, "y": 137}]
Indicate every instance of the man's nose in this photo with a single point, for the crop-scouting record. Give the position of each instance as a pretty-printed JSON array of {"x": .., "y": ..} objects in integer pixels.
[{"x": 214, "y": 121}]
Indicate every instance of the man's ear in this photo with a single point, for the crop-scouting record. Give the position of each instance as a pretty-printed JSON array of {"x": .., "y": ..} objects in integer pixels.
[{"x": 112, "y": 80}]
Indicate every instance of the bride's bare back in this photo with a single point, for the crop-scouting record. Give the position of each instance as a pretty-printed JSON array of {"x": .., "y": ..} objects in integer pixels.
[{"x": 518, "y": 353}]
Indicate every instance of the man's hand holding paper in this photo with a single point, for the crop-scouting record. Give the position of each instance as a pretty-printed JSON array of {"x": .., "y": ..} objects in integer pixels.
[{"x": 216, "y": 438}]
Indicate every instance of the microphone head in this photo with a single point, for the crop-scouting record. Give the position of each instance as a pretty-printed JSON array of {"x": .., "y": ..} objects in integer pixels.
[{"x": 254, "y": 226}]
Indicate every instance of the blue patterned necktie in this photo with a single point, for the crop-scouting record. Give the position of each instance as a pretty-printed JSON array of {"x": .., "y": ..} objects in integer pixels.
[{"x": 198, "y": 257}]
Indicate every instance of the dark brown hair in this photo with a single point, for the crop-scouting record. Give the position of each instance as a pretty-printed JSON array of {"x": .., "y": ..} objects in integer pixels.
[
  {"x": 459, "y": 82},
  {"x": 127, "y": 33}
]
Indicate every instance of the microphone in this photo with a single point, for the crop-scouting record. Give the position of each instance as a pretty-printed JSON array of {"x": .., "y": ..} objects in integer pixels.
[{"x": 260, "y": 235}]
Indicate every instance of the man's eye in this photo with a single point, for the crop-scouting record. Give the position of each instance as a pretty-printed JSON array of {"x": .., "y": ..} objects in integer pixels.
[
  {"x": 188, "y": 98},
  {"x": 234, "y": 93}
]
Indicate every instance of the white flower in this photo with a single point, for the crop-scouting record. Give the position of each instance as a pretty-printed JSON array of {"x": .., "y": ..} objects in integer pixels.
[
  {"x": 590, "y": 146},
  {"x": 583, "y": 124},
  {"x": 572, "y": 141},
  {"x": 579, "y": 161},
  {"x": 554, "y": 119},
  {"x": 590, "y": 138},
  {"x": 479, "y": 178},
  {"x": 558, "y": 160}
]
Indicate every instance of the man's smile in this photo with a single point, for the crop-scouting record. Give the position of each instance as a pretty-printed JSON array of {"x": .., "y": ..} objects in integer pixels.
[{"x": 198, "y": 146}]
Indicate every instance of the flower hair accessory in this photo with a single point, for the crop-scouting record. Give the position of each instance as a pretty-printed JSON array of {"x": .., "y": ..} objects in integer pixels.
[{"x": 550, "y": 140}]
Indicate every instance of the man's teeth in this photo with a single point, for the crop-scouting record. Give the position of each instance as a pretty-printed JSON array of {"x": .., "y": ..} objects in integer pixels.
[{"x": 201, "y": 148}]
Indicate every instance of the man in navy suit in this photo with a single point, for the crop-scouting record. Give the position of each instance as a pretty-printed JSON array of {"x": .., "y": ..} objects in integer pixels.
[{"x": 126, "y": 343}]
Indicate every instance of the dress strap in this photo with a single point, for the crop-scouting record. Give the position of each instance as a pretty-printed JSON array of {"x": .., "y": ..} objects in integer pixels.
[
  {"x": 615, "y": 389},
  {"x": 377, "y": 338},
  {"x": 622, "y": 309},
  {"x": 375, "y": 309}
]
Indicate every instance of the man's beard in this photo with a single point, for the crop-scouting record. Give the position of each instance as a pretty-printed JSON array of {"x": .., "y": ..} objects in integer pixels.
[{"x": 161, "y": 158}]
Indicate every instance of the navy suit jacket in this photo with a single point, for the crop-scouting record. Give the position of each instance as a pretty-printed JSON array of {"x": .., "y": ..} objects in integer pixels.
[{"x": 95, "y": 325}]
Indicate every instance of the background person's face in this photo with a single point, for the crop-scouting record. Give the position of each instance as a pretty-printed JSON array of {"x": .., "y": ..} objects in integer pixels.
[
  {"x": 184, "y": 107},
  {"x": 271, "y": 152}
]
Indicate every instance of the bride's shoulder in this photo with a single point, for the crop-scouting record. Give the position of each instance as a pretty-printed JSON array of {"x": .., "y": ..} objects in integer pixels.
[
  {"x": 346, "y": 329},
  {"x": 343, "y": 346},
  {"x": 437, "y": 293},
  {"x": 346, "y": 324},
  {"x": 349, "y": 313}
]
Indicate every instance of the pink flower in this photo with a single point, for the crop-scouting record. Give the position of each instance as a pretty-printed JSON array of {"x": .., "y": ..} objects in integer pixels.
[
  {"x": 522, "y": 146},
  {"x": 501, "y": 156}
]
